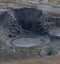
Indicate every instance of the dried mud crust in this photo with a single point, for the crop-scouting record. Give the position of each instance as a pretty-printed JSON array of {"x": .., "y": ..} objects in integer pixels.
[
  {"x": 48, "y": 50},
  {"x": 8, "y": 53}
]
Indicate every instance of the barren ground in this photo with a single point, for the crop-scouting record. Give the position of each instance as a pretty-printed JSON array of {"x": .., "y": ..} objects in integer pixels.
[{"x": 55, "y": 60}]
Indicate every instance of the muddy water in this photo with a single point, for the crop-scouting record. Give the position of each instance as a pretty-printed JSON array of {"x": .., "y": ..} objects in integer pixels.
[
  {"x": 3, "y": 10},
  {"x": 29, "y": 42}
]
